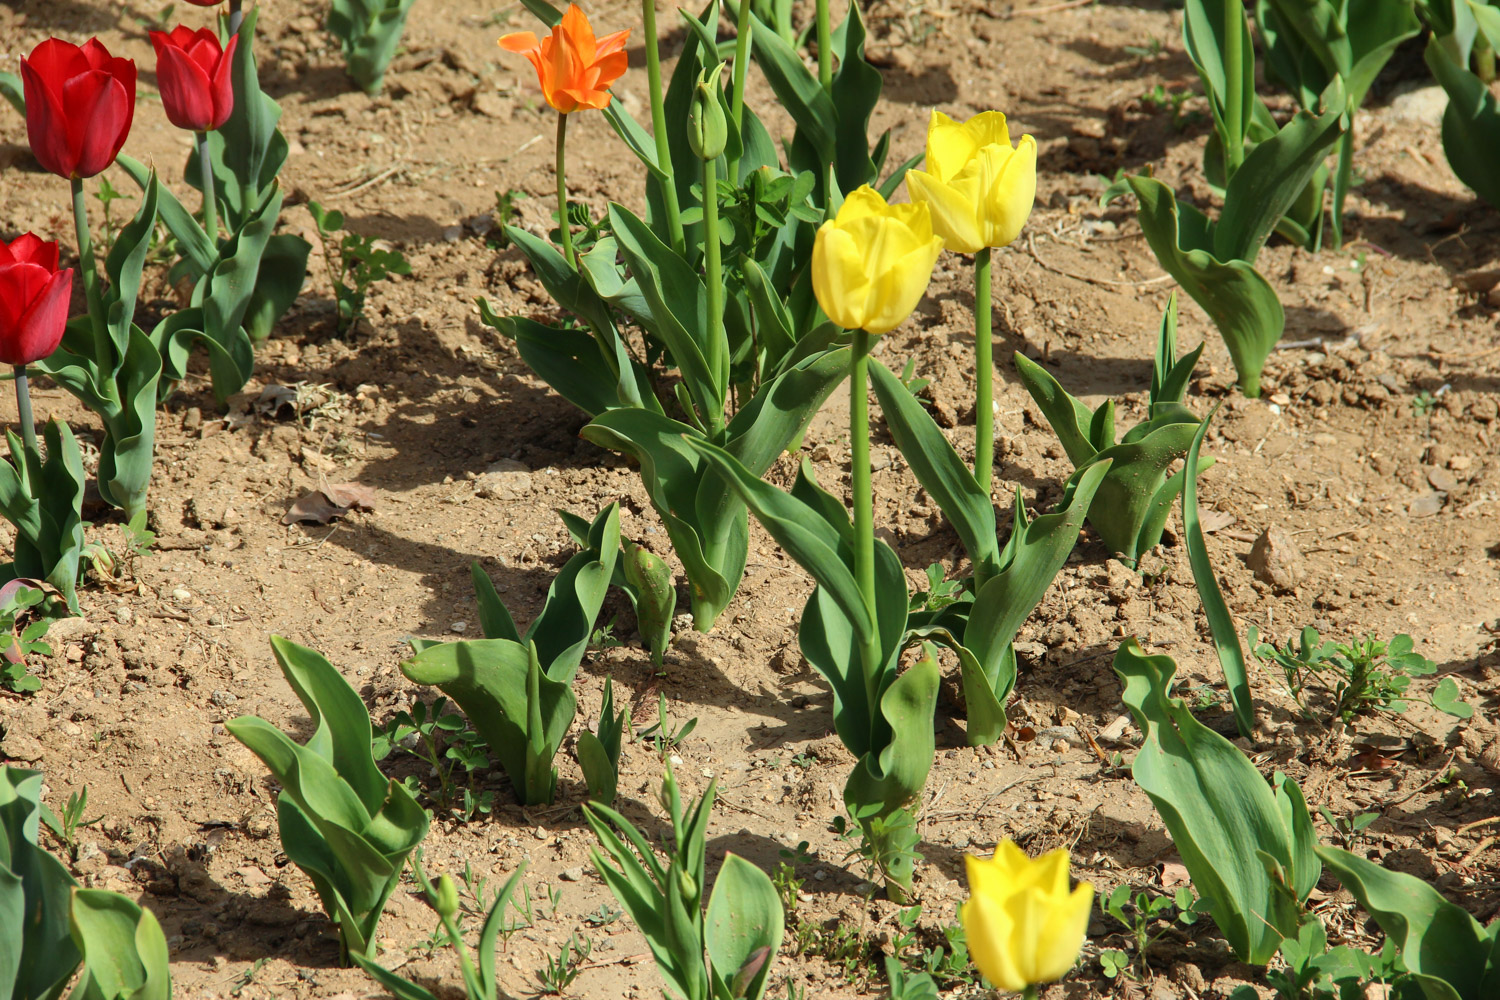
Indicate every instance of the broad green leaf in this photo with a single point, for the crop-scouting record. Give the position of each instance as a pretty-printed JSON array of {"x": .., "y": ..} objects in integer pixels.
[
  {"x": 744, "y": 919},
  {"x": 1241, "y": 303},
  {"x": 567, "y": 360},
  {"x": 1438, "y": 941},
  {"x": 1067, "y": 416},
  {"x": 494, "y": 617},
  {"x": 939, "y": 469},
  {"x": 12, "y": 91},
  {"x": 1211, "y": 31},
  {"x": 124, "y": 949},
  {"x": 1220, "y": 622},
  {"x": 42, "y": 957},
  {"x": 1219, "y": 810},
  {"x": 1272, "y": 177},
  {"x": 1471, "y": 124}
]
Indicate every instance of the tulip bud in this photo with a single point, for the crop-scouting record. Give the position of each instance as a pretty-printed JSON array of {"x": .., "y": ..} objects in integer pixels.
[
  {"x": 708, "y": 131},
  {"x": 687, "y": 888},
  {"x": 446, "y": 902},
  {"x": 34, "y": 295}
]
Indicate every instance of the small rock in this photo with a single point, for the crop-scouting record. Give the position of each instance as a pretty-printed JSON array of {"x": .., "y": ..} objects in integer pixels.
[
  {"x": 490, "y": 105},
  {"x": 192, "y": 419},
  {"x": 182, "y": 596},
  {"x": 224, "y": 699},
  {"x": 452, "y": 234},
  {"x": 74, "y": 652},
  {"x": 458, "y": 627},
  {"x": 571, "y": 874},
  {"x": 1460, "y": 463},
  {"x": 1275, "y": 559},
  {"x": 1424, "y": 105},
  {"x": 123, "y": 615},
  {"x": 1442, "y": 480},
  {"x": 507, "y": 479},
  {"x": 1427, "y": 504}
]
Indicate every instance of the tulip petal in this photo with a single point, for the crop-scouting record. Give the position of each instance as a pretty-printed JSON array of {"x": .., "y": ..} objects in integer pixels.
[
  {"x": 520, "y": 42},
  {"x": 43, "y": 323},
  {"x": 988, "y": 128},
  {"x": 949, "y": 147},
  {"x": 840, "y": 279},
  {"x": 991, "y": 932},
  {"x": 46, "y": 124},
  {"x": 954, "y": 217},
  {"x": 1009, "y": 186},
  {"x": 184, "y": 90}
]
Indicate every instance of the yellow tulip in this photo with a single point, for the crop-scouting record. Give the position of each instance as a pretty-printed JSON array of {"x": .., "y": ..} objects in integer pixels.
[
  {"x": 980, "y": 189},
  {"x": 872, "y": 262},
  {"x": 1024, "y": 927}
]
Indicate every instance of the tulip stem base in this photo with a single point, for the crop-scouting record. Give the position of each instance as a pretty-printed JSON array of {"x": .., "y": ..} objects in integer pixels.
[
  {"x": 563, "y": 227},
  {"x": 210, "y": 197},
  {"x": 714, "y": 280},
  {"x": 23, "y": 411},
  {"x": 102, "y": 354},
  {"x": 236, "y": 16},
  {"x": 984, "y": 347}
]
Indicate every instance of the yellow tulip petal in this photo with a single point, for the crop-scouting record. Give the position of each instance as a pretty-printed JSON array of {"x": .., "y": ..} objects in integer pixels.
[
  {"x": 901, "y": 287},
  {"x": 988, "y": 128},
  {"x": 954, "y": 217},
  {"x": 1060, "y": 937},
  {"x": 862, "y": 202},
  {"x": 949, "y": 147},
  {"x": 1010, "y": 191},
  {"x": 840, "y": 278},
  {"x": 990, "y": 932}
]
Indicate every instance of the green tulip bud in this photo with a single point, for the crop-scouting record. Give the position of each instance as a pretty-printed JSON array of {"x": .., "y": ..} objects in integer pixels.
[
  {"x": 446, "y": 902},
  {"x": 708, "y": 131}
]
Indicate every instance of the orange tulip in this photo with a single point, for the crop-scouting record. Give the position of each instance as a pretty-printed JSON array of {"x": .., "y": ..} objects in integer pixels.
[{"x": 574, "y": 68}]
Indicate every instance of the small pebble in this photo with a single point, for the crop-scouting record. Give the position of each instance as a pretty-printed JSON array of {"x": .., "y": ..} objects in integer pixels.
[
  {"x": 123, "y": 615},
  {"x": 571, "y": 874},
  {"x": 458, "y": 626}
]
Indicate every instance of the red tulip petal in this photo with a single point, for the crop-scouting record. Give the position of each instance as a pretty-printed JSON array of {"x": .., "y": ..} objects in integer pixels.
[
  {"x": 184, "y": 91},
  {"x": 20, "y": 285},
  {"x": 94, "y": 52},
  {"x": 46, "y": 124},
  {"x": 29, "y": 248},
  {"x": 182, "y": 36},
  {"x": 98, "y": 113},
  {"x": 39, "y": 328},
  {"x": 223, "y": 84}
]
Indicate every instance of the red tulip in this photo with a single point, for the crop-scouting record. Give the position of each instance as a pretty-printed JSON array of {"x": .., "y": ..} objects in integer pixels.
[
  {"x": 34, "y": 297},
  {"x": 192, "y": 70},
  {"x": 79, "y": 106}
]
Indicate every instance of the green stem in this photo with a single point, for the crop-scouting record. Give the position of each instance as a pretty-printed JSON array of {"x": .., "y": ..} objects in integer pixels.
[
  {"x": 562, "y": 193},
  {"x": 864, "y": 498},
  {"x": 456, "y": 938},
  {"x": 984, "y": 407},
  {"x": 659, "y": 128},
  {"x": 210, "y": 198},
  {"x": 1234, "y": 56},
  {"x": 1029, "y": 993},
  {"x": 714, "y": 278},
  {"x": 741, "y": 65},
  {"x": 236, "y": 16},
  {"x": 23, "y": 411},
  {"x": 825, "y": 48},
  {"x": 91, "y": 292},
  {"x": 1484, "y": 60}
]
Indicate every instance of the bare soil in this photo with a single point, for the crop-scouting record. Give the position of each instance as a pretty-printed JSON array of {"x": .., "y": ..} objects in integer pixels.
[{"x": 1373, "y": 449}]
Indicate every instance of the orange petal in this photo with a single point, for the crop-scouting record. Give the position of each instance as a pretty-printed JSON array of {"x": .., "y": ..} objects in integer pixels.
[{"x": 520, "y": 41}]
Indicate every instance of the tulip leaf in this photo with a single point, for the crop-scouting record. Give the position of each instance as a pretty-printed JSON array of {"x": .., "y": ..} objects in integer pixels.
[
  {"x": 1208, "y": 29},
  {"x": 124, "y": 950},
  {"x": 12, "y": 91},
  {"x": 1221, "y": 623},
  {"x": 653, "y": 594},
  {"x": 1471, "y": 124},
  {"x": 567, "y": 360},
  {"x": 1220, "y": 812},
  {"x": 369, "y": 32},
  {"x": 1241, "y": 303},
  {"x": 939, "y": 469},
  {"x": 744, "y": 922},
  {"x": 341, "y": 821},
  {"x": 127, "y": 259},
  {"x": 891, "y": 776},
  {"x": 494, "y": 617},
  {"x": 1438, "y": 941},
  {"x": 1273, "y": 175},
  {"x": 192, "y": 242},
  {"x": 797, "y": 90},
  {"x": 856, "y": 92},
  {"x": 37, "y": 954}
]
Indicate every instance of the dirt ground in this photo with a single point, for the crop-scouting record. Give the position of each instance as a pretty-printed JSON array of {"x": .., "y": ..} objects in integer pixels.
[{"x": 1373, "y": 448}]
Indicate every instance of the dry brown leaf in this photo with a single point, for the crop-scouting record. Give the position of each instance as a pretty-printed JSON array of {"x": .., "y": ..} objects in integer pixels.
[{"x": 331, "y": 501}]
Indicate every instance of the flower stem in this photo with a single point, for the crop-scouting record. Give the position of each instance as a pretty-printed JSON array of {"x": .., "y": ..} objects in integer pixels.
[
  {"x": 1234, "y": 55},
  {"x": 210, "y": 198},
  {"x": 23, "y": 408},
  {"x": 562, "y": 192},
  {"x": 741, "y": 65},
  {"x": 825, "y": 48},
  {"x": 1028, "y": 993},
  {"x": 102, "y": 354},
  {"x": 659, "y": 127},
  {"x": 984, "y": 407},
  {"x": 236, "y": 16},
  {"x": 859, "y": 472},
  {"x": 718, "y": 346}
]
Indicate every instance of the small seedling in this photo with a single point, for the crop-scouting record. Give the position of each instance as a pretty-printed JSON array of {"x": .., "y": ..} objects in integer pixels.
[
  {"x": 107, "y": 195},
  {"x": 14, "y": 649},
  {"x": 603, "y": 637},
  {"x": 1160, "y": 99},
  {"x": 248, "y": 976},
  {"x": 66, "y": 826},
  {"x": 1138, "y": 913},
  {"x": 506, "y": 209},
  {"x": 446, "y": 743},
  {"x": 1365, "y": 676},
  {"x": 604, "y": 916},
  {"x": 354, "y": 264},
  {"x": 662, "y": 735},
  {"x": 1150, "y": 50},
  {"x": 557, "y": 974},
  {"x": 1422, "y": 403},
  {"x": 1350, "y": 828},
  {"x": 910, "y": 380},
  {"x": 939, "y": 594}
]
